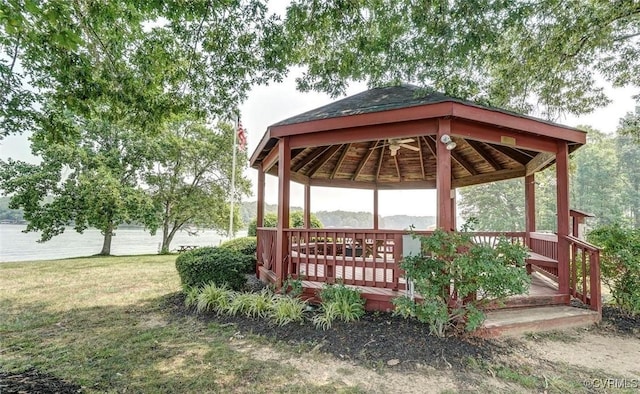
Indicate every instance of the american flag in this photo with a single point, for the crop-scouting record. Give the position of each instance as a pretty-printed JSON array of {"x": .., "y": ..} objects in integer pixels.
[{"x": 242, "y": 137}]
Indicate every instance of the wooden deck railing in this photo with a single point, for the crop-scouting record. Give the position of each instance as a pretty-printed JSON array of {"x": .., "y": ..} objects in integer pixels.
[
  {"x": 544, "y": 244},
  {"x": 266, "y": 247},
  {"x": 355, "y": 257},
  {"x": 491, "y": 237},
  {"x": 584, "y": 273},
  {"x": 365, "y": 257}
]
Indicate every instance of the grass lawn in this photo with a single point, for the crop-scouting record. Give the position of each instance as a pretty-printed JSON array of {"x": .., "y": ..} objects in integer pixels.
[
  {"x": 108, "y": 324},
  {"x": 100, "y": 323}
]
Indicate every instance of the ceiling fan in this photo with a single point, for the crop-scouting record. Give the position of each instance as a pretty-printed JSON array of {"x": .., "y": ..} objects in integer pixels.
[{"x": 395, "y": 144}]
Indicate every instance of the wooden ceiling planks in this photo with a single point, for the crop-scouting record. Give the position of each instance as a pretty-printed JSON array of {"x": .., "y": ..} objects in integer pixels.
[
  {"x": 343, "y": 155},
  {"x": 370, "y": 163}
]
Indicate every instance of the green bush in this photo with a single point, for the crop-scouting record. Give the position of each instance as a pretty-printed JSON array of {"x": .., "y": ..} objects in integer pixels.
[
  {"x": 246, "y": 246},
  {"x": 221, "y": 266},
  {"x": 620, "y": 264},
  {"x": 296, "y": 220},
  {"x": 481, "y": 271}
]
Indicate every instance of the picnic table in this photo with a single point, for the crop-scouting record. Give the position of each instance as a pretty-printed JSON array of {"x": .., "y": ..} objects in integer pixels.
[{"x": 184, "y": 248}]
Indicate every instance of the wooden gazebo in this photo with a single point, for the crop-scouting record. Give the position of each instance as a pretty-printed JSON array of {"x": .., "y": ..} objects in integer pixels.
[{"x": 403, "y": 137}]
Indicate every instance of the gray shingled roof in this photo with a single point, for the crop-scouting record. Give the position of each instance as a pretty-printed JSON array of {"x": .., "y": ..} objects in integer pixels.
[
  {"x": 373, "y": 100},
  {"x": 388, "y": 98}
]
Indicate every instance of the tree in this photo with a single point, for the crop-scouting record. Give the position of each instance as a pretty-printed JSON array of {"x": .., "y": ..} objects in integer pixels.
[
  {"x": 596, "y": 186},
  {"x": 628, "y": 150},
  {"x": 296, "y": 220},
  {"x": 630, "y": 125},
  {"x": 519, "y": 55},
  {"x": 191, "y": 178},
  {"x": 151, "y": 60},
  {"x": 498, "y": 206},
  {"x": 91, "y": 181}
]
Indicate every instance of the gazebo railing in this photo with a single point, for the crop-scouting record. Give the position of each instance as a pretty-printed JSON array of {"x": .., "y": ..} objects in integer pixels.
[
  {"x": 584, "y": 273},
  {"x": 266, "y": 247},
  {"x": 354, "y": 257}
]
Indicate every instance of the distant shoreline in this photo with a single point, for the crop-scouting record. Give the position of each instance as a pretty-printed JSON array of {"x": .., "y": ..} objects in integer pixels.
[{"x": 16, "y": 246}]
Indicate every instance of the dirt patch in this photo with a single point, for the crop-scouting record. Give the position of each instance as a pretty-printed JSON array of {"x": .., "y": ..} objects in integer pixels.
[
  {"x": 152, "y": 320},
  {"x": 327, "y": 370},
  {"x": 33, "y": 381},
  {"x": 615, "y": 354}
]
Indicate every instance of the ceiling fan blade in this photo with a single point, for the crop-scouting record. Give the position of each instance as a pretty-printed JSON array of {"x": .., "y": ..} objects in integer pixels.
[
  {"x": 404, "y": 141},
  {"x": 411, "y": 147}
]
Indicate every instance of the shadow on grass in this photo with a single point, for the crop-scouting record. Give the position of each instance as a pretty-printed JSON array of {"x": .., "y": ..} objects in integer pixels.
[{"x": 139, "y": 348}]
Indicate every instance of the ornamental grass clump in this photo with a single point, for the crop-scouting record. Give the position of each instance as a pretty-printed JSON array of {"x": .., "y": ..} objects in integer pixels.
[
  {"x": 214, "y": 298},
  {"x": 261, "y": 304},
  {"x": 339, "y": 302},
  {"x": 191, "y": 297},
  {"x": 240, "y": 304},
  {"x": 287, "y": 310}
]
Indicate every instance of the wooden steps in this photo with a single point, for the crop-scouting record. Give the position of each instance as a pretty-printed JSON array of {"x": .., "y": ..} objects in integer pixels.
[{"x": 517, "y": 321}]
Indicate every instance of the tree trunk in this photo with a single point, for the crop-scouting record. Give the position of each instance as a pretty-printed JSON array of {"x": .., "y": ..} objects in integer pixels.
[
  {"x": 106, "y": 244},
  {"x": 166, "y": 241},
  {"x": 167, "y": 236}
]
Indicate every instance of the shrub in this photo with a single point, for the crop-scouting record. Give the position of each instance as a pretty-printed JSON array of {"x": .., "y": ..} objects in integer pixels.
[
  {"x": 620, "y": 264},
  {"x": 292, "y": 287},
  {"x": 246, "y": 246},
  {"x": 339, "y": 302},
  {"x": 218, "y": 265},
  {"x": 478, "y": 273}
]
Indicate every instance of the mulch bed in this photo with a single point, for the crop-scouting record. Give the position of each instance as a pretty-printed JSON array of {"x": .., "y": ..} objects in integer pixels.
[
  {"x": 33, "y": 381},
  {"x": 376, "y": 339},
  {"x": 620, "y": 321}
]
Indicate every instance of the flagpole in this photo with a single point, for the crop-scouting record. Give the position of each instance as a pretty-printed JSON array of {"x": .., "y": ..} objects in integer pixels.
[{"x": 233, "y": 177}]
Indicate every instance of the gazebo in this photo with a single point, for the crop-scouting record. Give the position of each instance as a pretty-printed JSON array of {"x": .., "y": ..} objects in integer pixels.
[{"x": 403, "y": 137}]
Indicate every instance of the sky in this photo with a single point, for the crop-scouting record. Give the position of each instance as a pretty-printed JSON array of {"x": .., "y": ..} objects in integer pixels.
[{"x": 267, "y": 105}]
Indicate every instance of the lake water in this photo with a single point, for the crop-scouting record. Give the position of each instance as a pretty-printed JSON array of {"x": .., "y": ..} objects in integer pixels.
[{"x": 18, "y": 246}]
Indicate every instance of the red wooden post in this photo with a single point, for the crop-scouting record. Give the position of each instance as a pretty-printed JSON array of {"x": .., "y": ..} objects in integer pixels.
[
  {"x": 375, "y": 208},
  {"x": 260, "y": 208},
  {"x": 562, "y": 190},
  {"x": 284, "y": 188},
  {"x": 594, "y": 277},
  {"x": 443, "y": 179},
  {"x": 259, "y": 218},
  {"x": 307, "y": 205},
  {"x": 529, "y": 210},
  {"x": 530, "y": 204}
]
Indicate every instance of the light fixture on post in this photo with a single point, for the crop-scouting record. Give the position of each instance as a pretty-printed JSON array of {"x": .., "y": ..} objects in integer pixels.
[{"x": 446, "y": 139}]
